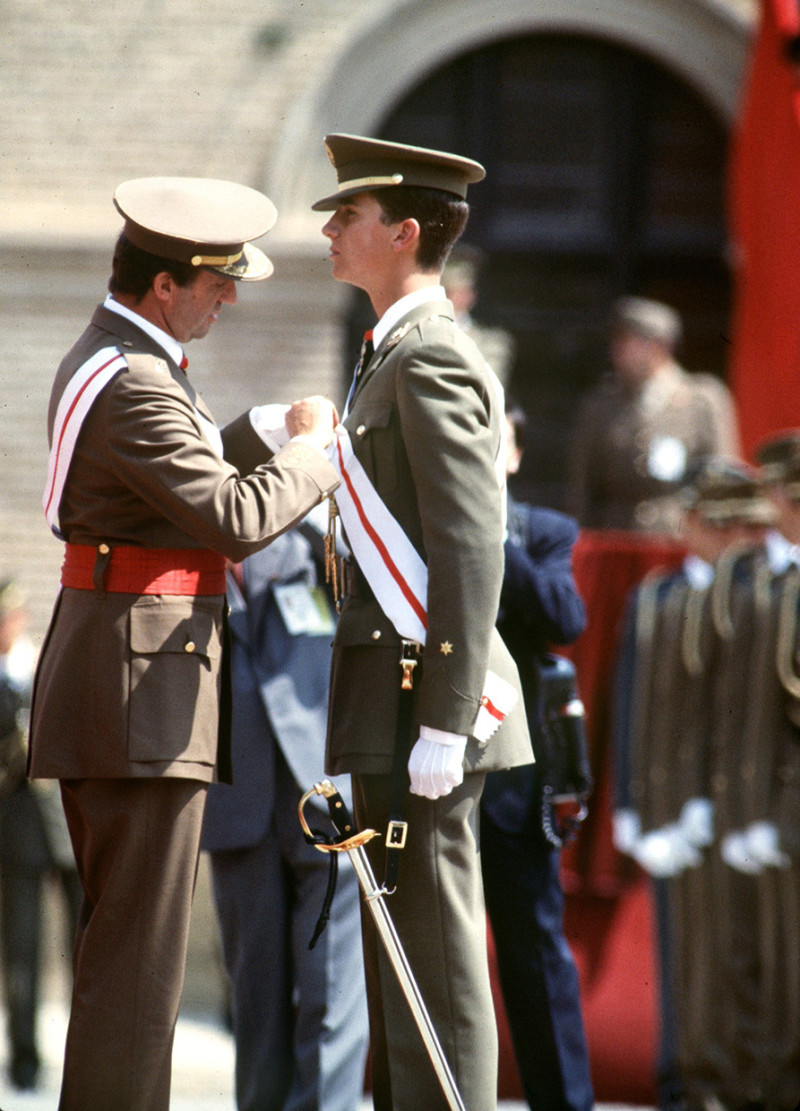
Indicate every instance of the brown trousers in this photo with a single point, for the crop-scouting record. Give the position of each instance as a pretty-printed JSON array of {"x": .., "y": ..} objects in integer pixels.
[{"x": 136, "y": 844}]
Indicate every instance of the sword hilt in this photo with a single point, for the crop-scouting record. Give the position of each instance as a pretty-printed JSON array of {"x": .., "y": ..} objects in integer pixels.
[{"x": 340, "y": 817}]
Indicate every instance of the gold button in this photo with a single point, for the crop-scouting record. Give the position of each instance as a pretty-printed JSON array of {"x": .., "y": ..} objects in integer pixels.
[
  {"x": 361, "y": 430},
  {"x": 189, "y": 646},
  {"x": 376, "y": 635},
  {"x": 103, "y": 549}
]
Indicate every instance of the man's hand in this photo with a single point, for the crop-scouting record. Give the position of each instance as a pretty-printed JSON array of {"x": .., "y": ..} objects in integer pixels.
[
  {"x": 436, "y": 766},
  {"x": 314, "y": 418}
]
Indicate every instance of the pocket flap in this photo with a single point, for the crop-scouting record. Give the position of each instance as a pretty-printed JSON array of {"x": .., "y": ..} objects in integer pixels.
[{"x": 175, "y": 626}]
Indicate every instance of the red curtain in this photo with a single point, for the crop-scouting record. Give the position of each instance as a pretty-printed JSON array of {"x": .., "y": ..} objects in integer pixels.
[{"x": 764, "y": 216}]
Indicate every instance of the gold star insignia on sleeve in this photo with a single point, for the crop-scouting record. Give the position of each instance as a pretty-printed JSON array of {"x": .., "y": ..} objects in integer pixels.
[{"x": 446, "y": 648}]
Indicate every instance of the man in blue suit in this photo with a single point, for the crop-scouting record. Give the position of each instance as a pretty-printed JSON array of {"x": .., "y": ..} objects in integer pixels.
[
  {"x": 299, "y": 1014},
  {"x": 539, "y": 605}
]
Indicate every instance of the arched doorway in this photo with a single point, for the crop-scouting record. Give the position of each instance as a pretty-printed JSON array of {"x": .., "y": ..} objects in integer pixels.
[{"x": 605, "y": 175}]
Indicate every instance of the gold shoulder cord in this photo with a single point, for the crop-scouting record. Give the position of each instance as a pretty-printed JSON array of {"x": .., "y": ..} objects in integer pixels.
[
  {"x": 721, "y": 591},
  {"x": 762, "y": 586},
  {"x": 691, "y": 652},
  {"x": 331, "y": 569},
  {"x": 787, "y": 630},
  {"x": 646, "y": 611}
]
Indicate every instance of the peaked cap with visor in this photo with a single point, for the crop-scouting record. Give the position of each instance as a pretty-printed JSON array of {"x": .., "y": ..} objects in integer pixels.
[
  {"x": 364, "y": 165},
  {"x": 200, "y": 221}
]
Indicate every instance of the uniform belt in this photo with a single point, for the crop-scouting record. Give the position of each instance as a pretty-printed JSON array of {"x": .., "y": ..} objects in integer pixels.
[{"x": 127, "y": 570}]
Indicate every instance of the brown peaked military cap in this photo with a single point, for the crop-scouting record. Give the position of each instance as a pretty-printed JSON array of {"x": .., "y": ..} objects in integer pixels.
[
  {"x": 364, "y": 164},
  {"x": 201, "y": 221}
]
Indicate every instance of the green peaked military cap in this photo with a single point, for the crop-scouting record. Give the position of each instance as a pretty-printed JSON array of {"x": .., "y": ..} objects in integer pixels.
[
  {"x": 727, "y": 491},
  {"x": 779, "y": 457},
  {"x": 201, "y": 221},
  {"x": 363, "y": 164}
]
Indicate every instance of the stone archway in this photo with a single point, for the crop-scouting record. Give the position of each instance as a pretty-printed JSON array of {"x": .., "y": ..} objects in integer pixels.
[{"x": 703, "y": 42}]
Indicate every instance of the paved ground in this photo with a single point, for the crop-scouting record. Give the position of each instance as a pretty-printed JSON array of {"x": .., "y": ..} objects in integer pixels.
[{"x": 202, "y": 1069}]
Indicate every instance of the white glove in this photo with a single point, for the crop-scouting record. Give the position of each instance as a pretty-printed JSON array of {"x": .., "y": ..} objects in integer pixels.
[
  {"x": 436, "y": 763},
  {"x": 665, "y": 852},
  {"x": 626, "y": 831},
  {"x": 762, "y": 841},
  {"x": 697, "y": 822},
  {"x": 736, "y": 852}
]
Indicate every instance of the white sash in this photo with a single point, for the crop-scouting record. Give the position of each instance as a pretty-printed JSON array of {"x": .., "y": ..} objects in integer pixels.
[
  {"x": 83, "y": 389},
  {"x": 80, "y": 394},
  {"x": 396, "y": 573}
]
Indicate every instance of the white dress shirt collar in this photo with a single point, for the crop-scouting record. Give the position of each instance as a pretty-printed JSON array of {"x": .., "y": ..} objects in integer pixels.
[
  {"x": 162, "y": 338},
  {"x": 400, "y": 308}
]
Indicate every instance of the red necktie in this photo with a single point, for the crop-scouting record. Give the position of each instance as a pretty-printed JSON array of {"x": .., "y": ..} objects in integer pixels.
[{"x": 183, "y": 364}]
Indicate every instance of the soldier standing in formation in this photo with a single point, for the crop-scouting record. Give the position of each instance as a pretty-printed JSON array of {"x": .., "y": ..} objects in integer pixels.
[
  {"x": 725, "y": 765},
  {"x": 663, "y": 815}
]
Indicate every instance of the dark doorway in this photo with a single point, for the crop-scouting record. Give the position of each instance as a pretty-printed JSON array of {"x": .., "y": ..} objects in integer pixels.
[{"x": 605, "y": 175}]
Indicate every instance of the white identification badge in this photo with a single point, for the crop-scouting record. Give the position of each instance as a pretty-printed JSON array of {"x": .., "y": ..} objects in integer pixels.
[{"x": 304, "y": 609}]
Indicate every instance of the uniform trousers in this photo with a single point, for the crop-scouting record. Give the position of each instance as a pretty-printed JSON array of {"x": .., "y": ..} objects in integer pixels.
[
  {"x": 136, "y": 844},
  {"x": 440, "y": 917},
  {"x": 299, "y": 1014},
  {"x": 537, "y": 970},
  {"x": 26, "y": 863}
]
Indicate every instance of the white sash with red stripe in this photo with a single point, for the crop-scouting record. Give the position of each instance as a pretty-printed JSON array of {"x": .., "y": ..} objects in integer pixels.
[
  {"x": 80, "y": 394},
  {"x": 396, "y": 573}
]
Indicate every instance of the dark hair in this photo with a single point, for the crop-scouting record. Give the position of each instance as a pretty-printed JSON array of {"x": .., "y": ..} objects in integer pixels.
[
  {"x": 519, "y": 421},
  {"x": 442, "y": 218},
  {"x": 133, "y": 270}
]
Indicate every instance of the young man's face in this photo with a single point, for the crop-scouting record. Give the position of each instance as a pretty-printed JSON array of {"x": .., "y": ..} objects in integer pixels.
[
  {"x": 360, "y": 241},
  {"x": 192, "y": 309}
]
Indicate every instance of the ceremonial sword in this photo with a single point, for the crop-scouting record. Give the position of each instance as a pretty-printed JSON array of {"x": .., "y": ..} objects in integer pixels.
[{"x": 353, "y": 844}]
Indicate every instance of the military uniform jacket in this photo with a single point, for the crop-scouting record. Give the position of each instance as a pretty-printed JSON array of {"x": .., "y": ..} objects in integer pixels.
[
  {"x": 426, "y": 423},
  {"x": 632, "y": 448},
  {"x": 129, "y": 685}
]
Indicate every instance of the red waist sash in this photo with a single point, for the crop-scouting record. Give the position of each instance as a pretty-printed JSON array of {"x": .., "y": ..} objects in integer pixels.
[{"x": 127, "y": 570}]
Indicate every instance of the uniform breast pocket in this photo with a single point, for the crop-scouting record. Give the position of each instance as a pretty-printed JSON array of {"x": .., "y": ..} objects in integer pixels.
[
  {"x": 173, "y": 692},
  {"x": 378, "y": 444}
]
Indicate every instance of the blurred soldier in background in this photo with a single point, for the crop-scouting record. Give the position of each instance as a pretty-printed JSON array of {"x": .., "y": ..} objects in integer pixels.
[
  {"x": 520, "y": 851},
  {"x": 34, "y": 844},
  {"x": 643, "y": 426},
  {"x": 299, "y": 1013},
  {"x": 460, "y": 281},
  {"x": 663, "y": 724}
]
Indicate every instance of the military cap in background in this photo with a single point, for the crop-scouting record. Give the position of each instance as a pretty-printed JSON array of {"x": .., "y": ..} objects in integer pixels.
[
  {"x": 725, "y": 492},
  {"x": 649, "y": 319},
  {"x": 364, "y": 164},
  {"x": 200, "y": 221},
  {"x": 779, "y": 461}
]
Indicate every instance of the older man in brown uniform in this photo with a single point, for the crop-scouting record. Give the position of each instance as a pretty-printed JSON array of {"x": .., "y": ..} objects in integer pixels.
[{"x": 129, "y": 704}]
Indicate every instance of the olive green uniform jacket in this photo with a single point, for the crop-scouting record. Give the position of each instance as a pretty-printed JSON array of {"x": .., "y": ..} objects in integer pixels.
[{"x": 426, "y": 423}]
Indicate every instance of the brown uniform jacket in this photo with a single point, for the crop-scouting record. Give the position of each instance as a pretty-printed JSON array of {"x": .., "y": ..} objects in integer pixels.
[
  {"x": 129, "y": 685},
  {"x": 426, "y": 425}
]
